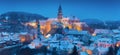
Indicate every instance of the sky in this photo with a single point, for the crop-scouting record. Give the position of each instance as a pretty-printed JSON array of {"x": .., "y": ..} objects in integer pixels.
[{"x": 83, "y": 9}]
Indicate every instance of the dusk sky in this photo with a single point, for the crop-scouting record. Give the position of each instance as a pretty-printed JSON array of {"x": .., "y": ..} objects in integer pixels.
[{"x": 83, "y": 9}]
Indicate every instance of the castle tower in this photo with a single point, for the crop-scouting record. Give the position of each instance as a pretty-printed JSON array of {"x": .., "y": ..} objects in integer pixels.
[{"x": 59, "y": 15}]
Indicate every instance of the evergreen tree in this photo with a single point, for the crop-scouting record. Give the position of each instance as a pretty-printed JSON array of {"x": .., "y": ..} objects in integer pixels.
[
  {"x": 25, "y": 51},
  {"x": 116, "y": 50},
  {"x": 74, "y": 51},
  {"x": 111, "y": 51},
  {"x": 54, "y": 52}
]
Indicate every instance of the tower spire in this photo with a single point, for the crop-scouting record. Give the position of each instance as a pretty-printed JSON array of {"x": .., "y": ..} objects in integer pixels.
[{"x": 59, "y": 13}]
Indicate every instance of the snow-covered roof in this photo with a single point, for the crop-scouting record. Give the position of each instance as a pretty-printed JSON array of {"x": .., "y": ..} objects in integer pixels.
[
  {"x": 103, "y": 31},
  {"x": 105, "y": 40},
  {"x": 117, "y": 35},
  {"x": 77, "y": 32},
  {"x": 78, "y": 42},
  {"x": 5, "y": 33},
  {"x": 118, "y": 53},
  {"x": 14, "y": 38},
  {"x": 102, "y": 50},
  {"x": 91, "y": 47},
  {"x": 94, "y": 38},
  {"x": 81, "y": 23},
  {"x": 6, "y": 38},
  {"x": 34, "y": 43},
  {"x": 23, "y": 33},
  {"x": 31, "y": 47},
  {"x": 83, "y": 53},
  {"x": 53, "y": 41},
  {"x": 116, "y": 31}
]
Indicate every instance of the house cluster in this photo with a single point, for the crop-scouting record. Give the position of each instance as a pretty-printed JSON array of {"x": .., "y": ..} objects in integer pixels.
[{"x": 83, "y": 40}]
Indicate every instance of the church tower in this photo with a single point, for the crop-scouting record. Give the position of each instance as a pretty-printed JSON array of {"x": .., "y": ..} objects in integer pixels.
[
  {"x": 38, "y": 29},
  {"x": 59, "y": 15}
]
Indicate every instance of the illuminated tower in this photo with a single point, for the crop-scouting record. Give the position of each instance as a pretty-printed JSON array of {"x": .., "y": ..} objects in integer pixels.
[{"x": 59, "y": 15}]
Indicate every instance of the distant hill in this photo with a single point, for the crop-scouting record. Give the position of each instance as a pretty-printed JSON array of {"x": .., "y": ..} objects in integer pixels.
[
  {"x": 113, "y": 24},
  {"x": 13, "y": 21},
  {"x": 94, "y": 23},
  {"x": 21, "y": 16}
]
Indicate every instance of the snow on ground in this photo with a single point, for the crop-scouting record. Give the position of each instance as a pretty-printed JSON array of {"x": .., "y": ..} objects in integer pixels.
[
  {"x": 118, "y": 53},
  {"x": 67, "y": 42},
  {"x": 34, "y": 43},
  {"x": 102, "y": 50},
  {"x": 83, "y": 53}
]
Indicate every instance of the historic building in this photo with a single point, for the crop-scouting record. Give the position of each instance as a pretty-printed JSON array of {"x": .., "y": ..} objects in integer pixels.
[{"x": 52, "y": 23}]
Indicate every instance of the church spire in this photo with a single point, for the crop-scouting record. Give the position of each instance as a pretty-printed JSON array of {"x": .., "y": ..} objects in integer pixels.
[{"x": 59, "y": 13}]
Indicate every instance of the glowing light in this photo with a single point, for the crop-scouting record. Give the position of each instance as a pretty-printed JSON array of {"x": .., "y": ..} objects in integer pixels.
[
  {"x": 78, "y": 28},
  {"x": 38, "y": 46},
  {"x": 89, "y": 52},
  {"x": 83, "y": 48},
  {"x": 64, "y": 26},
  {"x": 48, "y": 47},
  {"x": 70, "y": 26},
  {"x": 22, "y": 39},
  {"x": 33, "y": 24},
  {"x": 48, "y": 36},
  {"x": 47, "y": 27},
  {"x": 117, "y": 45},
  {"x": 94, "y": 34}
]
